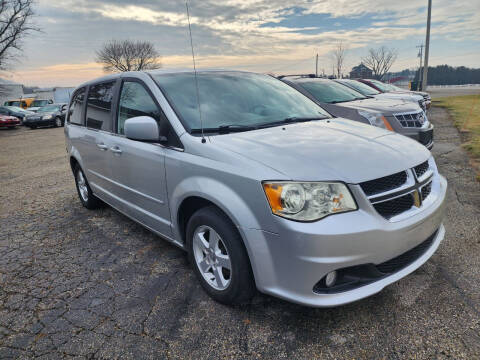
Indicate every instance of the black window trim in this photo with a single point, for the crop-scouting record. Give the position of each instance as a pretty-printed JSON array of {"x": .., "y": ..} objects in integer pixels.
[
  {"x": 112, "y": 110},
  {"x": 82, "y": 115},
  {"x": 152, "y": 96}
]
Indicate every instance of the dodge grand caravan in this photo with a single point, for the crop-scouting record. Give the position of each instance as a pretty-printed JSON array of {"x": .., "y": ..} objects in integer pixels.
[{"x": 261, "y": 187}]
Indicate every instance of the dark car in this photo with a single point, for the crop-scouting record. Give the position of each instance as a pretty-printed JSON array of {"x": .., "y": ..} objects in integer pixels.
[
  {"x": 50, "y": 115},
  {"x": 18, "y": 112},
  {"x": 389, "y": 88}
]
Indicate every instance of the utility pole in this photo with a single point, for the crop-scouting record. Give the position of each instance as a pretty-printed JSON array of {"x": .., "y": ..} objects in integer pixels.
[
  {"x": 316, "y": 66},
  {"x": 420, "y": 75},
  {"x": 427, "y": 48}
]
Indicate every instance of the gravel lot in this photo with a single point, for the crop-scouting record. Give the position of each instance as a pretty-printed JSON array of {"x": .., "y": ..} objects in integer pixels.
[{"x": 93, "y": 284}]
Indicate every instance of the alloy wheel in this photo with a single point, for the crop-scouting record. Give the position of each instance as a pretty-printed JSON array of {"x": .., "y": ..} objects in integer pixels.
[
  {"x": 212, "y": 258},
  {"x": 82, "y": 186}
]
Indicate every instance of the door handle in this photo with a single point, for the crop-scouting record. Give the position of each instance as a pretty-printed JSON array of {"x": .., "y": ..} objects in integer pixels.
[
  {"x": 102, "y": 146},
  {"x": 116, "y": 150}
]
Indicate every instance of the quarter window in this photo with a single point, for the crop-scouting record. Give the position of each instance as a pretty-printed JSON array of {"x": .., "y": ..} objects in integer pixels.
[
  {"x": 76, "y": 108},
  {"x": 136, "y": 101},
  {"x": 99, "y": 106}
]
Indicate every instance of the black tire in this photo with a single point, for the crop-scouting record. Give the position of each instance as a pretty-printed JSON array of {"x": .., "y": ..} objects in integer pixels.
[
  {"x": 242, "y": 285},
  {"x": 91, "y": 201},
  {"x": 33, "y": 127},
  {"x": 58, "y": 122}
]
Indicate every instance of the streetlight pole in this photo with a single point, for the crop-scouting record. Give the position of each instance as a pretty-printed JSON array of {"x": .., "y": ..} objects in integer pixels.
[{"x": 427, "y": 47}]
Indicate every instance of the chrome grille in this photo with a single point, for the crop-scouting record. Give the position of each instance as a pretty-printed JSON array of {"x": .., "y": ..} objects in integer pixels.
[
  {"x": 421, "y": 169},
  {"x": 395, "y": 194},
  {"x": 384, "y": 184},
  {"x": 411, "y": 120},
  {"x": 391, "y": 208},
  {"x": 426, "y": 190}
]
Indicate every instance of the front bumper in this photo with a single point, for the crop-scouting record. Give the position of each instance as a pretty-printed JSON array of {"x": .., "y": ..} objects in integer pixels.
[
  {"x": 289, "y": 264},
  {"x": 423, "y": 135},
  {"x": 9, "y": 123},
  {"x": 38, "y": 122}
]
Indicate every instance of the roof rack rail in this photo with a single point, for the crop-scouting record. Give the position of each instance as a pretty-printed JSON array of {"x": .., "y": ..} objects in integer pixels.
[{"x": 301, "y": 75}]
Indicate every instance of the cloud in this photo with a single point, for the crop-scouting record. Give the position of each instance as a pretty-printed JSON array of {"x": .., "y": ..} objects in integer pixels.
[{"x": 236, "y": 33}]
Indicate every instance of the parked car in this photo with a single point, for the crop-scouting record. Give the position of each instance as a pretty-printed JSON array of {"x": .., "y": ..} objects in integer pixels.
[
  {"x": 50, "y": 115},
  {"x": 406, "y": 118},
  {"x": 8, "y": 121},
  {"x": 38, "y": 103},
  {"x": 389, "y": 88},
  {"x": 23, "y": 103},
  {"x": 260, "y": 185},
  {"x": 15, "y": 111},
  {"x": 369, "y": 91}
]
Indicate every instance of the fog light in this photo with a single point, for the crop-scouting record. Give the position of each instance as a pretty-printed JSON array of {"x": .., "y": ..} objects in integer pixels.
[{"x": 331, "y": 278}]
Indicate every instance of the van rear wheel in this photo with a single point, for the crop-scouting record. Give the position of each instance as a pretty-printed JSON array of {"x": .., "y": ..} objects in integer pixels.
[{"x": 219, "y": 257}]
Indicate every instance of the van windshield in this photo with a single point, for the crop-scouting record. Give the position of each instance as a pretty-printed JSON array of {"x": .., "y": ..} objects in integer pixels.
[{"x": 237, "y": 100}]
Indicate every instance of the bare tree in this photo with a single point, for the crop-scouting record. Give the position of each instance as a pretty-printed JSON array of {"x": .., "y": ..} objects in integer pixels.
[
  {"x": 127, "y": 55},
  {"x": 339, "y": 58},
  {"x": 380, "y": 60},
  {"x": 15, "y": 23}
]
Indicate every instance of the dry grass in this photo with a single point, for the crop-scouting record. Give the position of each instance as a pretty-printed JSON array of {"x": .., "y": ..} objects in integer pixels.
[{"x": 466, "y": 113}]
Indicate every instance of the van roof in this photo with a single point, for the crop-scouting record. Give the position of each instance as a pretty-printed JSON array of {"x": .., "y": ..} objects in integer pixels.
[{"x": 152, "y": 72}]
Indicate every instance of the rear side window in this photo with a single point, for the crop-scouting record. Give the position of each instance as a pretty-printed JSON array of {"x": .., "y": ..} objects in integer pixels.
[
  {"x": 99, "y": 106},
  {"x": 76, "y": 108}
]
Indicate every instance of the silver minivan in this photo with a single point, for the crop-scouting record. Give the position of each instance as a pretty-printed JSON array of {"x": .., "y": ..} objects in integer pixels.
[{"x": 260, "y": 185}]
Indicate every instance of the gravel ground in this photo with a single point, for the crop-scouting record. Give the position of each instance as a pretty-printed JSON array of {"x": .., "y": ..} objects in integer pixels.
[{"x": 93, "y": 284}]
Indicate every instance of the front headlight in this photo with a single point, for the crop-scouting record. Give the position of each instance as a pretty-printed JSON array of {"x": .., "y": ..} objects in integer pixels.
[
  {"x": 308, "y": 201},
  {"x": 376, "y": 119},
  {"x": 47, "y": 117}
]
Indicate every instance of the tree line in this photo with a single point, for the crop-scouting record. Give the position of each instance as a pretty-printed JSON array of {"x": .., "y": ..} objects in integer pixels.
[{"x": 449, "y": 75}]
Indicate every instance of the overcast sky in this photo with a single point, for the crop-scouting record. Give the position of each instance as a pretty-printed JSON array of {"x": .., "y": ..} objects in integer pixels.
[{"x": 266, "y": 36}]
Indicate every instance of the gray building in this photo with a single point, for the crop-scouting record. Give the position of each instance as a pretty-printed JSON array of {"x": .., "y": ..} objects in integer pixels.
[{"x": 361, "y": 72}]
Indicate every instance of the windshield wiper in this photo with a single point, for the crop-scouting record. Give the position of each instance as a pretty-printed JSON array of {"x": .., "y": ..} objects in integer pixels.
[
  {"x": 291, "y": 120},
  {"x": 225, "y": 129}
]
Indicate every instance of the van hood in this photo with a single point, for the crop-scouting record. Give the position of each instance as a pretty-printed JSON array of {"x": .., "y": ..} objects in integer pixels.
[
  {"x": 385, "y": 106},
  {"x": 334, "y": 149}
]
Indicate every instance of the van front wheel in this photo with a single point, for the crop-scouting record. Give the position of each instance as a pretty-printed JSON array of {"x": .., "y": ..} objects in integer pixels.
[{"x": 219, "y": 257}]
